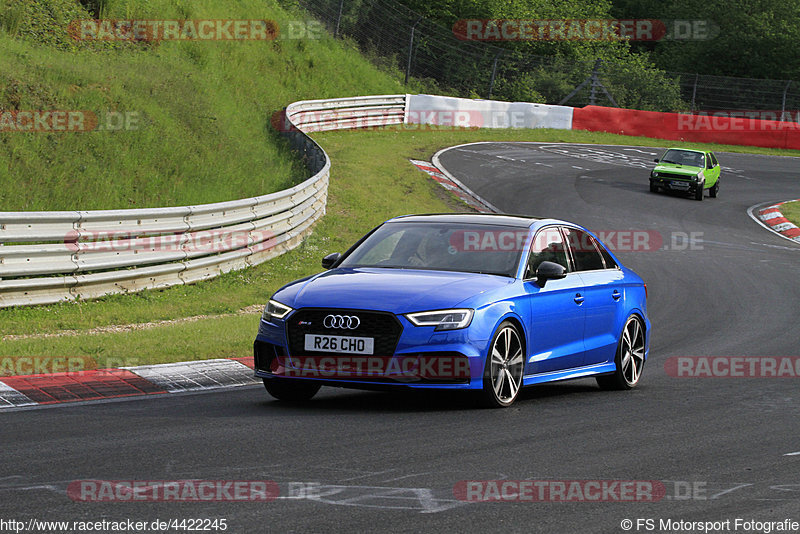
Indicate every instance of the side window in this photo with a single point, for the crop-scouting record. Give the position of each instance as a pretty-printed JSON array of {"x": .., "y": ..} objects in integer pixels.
[
  {"x": 584, "y": 251},
  {"x": 709, "y": 161},
  {"x": 548, "y": 245},
  {"x": 610, "y": 263},
  {"x": 714, "y": 159}
]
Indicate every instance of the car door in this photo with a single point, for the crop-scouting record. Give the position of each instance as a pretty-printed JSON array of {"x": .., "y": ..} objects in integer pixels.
[
  {"x": 714, "y": 171},
  {"x": 555, "y": 330},
  {"x": 603, "y": 292}
]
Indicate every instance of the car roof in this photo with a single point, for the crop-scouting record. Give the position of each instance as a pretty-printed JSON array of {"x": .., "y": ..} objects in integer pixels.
[{"x": 500, "y": 219}]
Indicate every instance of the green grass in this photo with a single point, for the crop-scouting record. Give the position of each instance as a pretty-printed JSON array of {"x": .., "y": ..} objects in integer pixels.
[
  {"x": 202, "y": 110},
  {"x": 791, "y": 210},
  {"x": 372, "y": 180}
]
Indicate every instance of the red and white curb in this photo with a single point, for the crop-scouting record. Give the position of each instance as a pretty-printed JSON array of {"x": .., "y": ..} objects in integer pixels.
[
  {"x": 99, "y": 384},
  {"x": 450, "y": 183},
  {"x": 772, "y": 219}
]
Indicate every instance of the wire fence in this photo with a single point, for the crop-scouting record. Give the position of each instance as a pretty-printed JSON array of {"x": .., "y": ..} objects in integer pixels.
[{"x": 396, "y": 37}]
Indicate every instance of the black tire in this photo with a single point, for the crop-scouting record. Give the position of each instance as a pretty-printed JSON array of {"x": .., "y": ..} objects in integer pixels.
[
  {"x": 625, "y": 376},
  {"x": 714, "y": 191},
  {"x": 287, "y": 389},
  {"x": 503, "y": 371},
  {"x": 698, "y": 194},
  {"x": 653, "y": 188}
]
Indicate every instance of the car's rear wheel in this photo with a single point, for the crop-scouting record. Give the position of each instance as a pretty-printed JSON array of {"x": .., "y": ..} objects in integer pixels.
[
  {"x": 629, "y": 359},
  {"x": 698, "y": 194},
  {"x": 714, "y": 191},
  {"x": 502, "y": 376},
  {"x": 287, "y": 389}
]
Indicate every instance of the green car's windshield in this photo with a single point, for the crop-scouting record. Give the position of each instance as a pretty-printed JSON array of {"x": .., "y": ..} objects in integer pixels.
[{"x": 684, "y": 157}]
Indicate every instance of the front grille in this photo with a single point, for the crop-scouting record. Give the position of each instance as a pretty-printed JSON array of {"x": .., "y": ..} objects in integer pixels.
[
  {"x": 382, "y": 326},
  {"x": 675, "y": 176}
]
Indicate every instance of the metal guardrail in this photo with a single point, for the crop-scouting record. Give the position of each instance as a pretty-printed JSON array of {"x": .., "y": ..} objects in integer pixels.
[{"x": 48, "y": 257}]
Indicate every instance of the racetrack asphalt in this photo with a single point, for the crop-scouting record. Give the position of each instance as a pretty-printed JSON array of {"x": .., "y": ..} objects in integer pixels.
[{"x": 389, "y": 462}]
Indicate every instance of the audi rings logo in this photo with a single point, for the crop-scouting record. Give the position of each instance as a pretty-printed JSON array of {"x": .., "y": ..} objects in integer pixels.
[{"x": 350, "y": 322}]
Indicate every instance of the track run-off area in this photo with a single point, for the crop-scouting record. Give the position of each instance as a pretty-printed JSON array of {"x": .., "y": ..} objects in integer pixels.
[{"x": 718, "y": 448}]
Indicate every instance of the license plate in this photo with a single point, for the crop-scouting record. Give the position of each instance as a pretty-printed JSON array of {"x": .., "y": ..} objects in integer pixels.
[
  {"x": 340, "y": 344},
  {"x": 680, "y": 185}
]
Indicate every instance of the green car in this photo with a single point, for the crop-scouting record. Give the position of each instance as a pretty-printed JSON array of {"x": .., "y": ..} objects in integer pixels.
[{"x": 686, "y": 170}]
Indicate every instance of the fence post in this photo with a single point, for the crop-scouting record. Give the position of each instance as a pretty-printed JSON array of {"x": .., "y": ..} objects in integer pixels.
[
  {"x": 339, "y": 19},
  {"x": 411, "y": 48},
  {"x": 783, "y": 101},
  {"x": 694, "y": 90},
  {"x": 494, "y": 73}
]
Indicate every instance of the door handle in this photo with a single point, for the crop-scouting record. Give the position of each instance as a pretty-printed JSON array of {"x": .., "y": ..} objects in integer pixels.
[
  {"x": 616, "y": 295},
  {"x": 578, "y": 299}
]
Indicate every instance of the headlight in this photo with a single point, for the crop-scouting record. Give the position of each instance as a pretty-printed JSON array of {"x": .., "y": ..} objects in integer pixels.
[
  {"x": 700, "y": 176},
  {"x": 654, "y": 174},
  {"x": 442, "y": 319},
  {"x": 275, "y": 310}
]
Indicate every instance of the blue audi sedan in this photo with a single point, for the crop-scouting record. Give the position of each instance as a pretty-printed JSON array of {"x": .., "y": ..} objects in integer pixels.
[{"x": 489, "y": 303}]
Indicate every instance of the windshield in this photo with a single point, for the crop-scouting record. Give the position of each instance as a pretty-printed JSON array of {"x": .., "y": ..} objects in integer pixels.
[
  {"x": 684, "y": 157},
  {"x": 474, "y": 248}
]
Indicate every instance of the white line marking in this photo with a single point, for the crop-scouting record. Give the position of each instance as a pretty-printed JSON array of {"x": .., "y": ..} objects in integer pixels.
[
  {"x": 792, "y": 453},
  {"x": 642, "y": 151}
]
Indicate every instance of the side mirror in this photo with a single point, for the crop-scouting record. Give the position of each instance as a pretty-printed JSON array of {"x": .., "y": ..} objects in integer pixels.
[
  {"x": 330, "y": 260},
  {"x": 656, "y": 160},
  {"x": 549, "y": 270}
]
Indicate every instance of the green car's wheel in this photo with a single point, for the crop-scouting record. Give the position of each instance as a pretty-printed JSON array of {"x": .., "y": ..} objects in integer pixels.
[
  {"x": 287, "y": 389},
  {"x": 630, "y": 357},
  {"x": 698, "y": 195},
  {"x": 653, "y": 188},
  {"x": 714, "y": 191}
]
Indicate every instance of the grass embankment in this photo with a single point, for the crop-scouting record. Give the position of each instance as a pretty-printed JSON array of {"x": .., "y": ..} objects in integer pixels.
[
  {"x": 791, "y": 210},
  {"x": 371, "y": 181},
  {"x": 198, "y": 110}
]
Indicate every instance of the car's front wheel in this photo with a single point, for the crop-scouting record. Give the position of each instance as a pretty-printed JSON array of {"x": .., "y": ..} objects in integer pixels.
[
  {"x": 287, "y": 389},
  {"x": 629, "y": 359},
  {"x": 698, "y": 194},
  {"x": 502, "y": 376},
  {"x": 714, "y": 191},
  {"x": 653, "y": 188}
]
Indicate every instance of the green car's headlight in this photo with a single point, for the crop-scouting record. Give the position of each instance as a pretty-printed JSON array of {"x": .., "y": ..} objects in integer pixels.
[
  {"x": 442, "y": 319},
  {"x": 700, "y": 176},
  {"x": 275, "y": 310},
  {"x": 654, "y": 174}
]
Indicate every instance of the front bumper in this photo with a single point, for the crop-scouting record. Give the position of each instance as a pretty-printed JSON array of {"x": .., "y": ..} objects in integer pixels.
[
  {"x": 674, "y": 184},
  {"x": 422, "y": 359}
]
